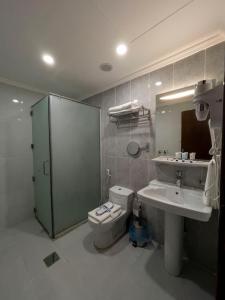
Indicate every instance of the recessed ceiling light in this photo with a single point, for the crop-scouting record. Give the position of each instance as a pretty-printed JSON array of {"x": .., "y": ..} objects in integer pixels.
[
  {"x": 175, "y": 96},
  {"x": 121, "y": 49},
  {"x": 158, "y": 83},
  {"x": 15, "y": 101},
  {"x": 106, "y": 67},
  {"x": 48, "y": 59}
]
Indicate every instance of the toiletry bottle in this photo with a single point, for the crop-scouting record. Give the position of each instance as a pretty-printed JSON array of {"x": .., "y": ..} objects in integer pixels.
[{"x": 184, "y": 155}]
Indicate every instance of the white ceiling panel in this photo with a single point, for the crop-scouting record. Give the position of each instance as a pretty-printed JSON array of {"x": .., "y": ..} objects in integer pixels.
[{"x": 81, "y": 34}]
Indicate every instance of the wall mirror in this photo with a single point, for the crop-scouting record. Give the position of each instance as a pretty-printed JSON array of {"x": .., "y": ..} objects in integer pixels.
[
  {"x": 133, "y": 148},
  {"x": 177, "y": 128}
]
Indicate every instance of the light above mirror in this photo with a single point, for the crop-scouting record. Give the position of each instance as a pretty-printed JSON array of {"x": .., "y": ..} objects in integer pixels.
[
  {"x": 178, "y": 95},
  {"x": 158, "y": 83}
]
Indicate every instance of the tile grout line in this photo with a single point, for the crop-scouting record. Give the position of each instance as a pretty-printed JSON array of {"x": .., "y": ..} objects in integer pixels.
[
  {"x": 173, "y": 77},
  {"x": 150, "y": 123},
  {"x": 204, "y": 67},
  {"x": 129, "y": 159},
  {"x": 115, "y": 157}
]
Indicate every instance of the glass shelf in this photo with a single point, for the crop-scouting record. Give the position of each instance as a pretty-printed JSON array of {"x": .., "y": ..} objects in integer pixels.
[{"x": 177, "y": 162}]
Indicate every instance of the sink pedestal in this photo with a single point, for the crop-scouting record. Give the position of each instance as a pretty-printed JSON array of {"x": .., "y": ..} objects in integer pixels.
[{"x": 174, "y": 230}]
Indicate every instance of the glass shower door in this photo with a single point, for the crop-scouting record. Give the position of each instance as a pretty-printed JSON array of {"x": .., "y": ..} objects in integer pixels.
[
  {"x": 75, "y": 140},
  {"x": 41, "y": 164}
]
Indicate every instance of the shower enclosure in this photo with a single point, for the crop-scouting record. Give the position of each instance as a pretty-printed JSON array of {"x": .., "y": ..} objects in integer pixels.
[{"x": 66, "y": 160}]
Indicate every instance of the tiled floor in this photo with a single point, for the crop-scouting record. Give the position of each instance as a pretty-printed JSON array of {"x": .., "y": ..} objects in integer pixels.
[{"x": 82, "y": 273}]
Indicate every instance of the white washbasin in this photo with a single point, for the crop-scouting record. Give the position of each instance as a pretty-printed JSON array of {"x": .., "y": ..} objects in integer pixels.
[
  {"x": 177, "y": 203},
  {"x": 186, "y": 202}
]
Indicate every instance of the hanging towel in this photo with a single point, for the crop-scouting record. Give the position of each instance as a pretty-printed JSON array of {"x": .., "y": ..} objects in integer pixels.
[
  {"x": 216, "y": 139},
  {"x": 211, "y": 192},
  {"x": 106, "y": 215},
  {"x": 127, "y": 105},
  {"x": 212, "y": 185}
]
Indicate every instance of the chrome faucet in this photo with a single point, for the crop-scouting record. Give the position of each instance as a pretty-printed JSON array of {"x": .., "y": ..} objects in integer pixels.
[{"x": 179, "y": 176}]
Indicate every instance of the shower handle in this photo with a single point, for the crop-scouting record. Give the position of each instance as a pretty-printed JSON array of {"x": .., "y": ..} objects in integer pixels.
[{"x": 45, "y": 169}]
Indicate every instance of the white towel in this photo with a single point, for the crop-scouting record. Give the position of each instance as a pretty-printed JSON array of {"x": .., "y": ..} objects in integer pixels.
[
  {"x": 106, "y": 215},
  {"x": 104, "y": 208},
  {"x": 126, "y": 105},
  {"x": 211, "y": 192},
  {"x": 216, "y": 139},
  {"x": 125, "y": 111}
]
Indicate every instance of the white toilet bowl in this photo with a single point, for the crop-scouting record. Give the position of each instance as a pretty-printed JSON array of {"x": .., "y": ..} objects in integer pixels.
[{"x": 110, "y": 230}]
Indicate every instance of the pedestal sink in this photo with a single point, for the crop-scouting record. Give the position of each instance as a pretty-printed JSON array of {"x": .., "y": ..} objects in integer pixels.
[{"x": 177, "y": 202}]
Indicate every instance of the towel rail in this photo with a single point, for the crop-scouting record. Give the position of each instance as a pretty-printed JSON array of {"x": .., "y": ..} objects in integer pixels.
[{"x": 140, "y": 117}]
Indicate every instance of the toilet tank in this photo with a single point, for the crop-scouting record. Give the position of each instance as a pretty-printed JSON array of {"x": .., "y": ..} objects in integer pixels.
[{"x": 121, "y": 196}]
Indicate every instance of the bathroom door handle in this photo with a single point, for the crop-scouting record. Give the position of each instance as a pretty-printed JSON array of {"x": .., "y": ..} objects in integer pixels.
[{"x": 45, "y": 168}]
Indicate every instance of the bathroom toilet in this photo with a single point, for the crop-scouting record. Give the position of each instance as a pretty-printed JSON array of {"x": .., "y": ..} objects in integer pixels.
[{"x": 108, "y": 230}]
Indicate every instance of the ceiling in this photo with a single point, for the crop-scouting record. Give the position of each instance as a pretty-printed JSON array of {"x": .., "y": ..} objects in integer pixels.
[{"x": 82, "y": 34}]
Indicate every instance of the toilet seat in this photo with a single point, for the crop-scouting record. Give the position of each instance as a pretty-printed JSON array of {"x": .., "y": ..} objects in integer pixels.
[{"x": 113, "y": 216}]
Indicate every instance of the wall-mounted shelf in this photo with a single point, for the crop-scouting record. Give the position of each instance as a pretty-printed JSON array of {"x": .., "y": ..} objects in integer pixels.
[
  {"x": 135, "y": 117},
  {"x": 184, "y": 163}
]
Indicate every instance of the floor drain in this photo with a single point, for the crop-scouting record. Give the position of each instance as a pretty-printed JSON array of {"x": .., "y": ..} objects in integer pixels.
[{"x": 51, "y": 259}]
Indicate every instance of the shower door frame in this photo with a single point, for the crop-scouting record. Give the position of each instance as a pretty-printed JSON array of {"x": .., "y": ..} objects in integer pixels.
[
  {"x": 52, "y": 233},
  {"x": 220, "y": 291}
]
